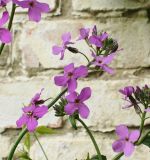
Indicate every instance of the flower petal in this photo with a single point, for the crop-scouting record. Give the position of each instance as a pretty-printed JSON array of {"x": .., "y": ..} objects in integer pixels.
[
  {"x": 69, "y": 68},
  {"x": 66, "y": 37},
  {"x": 71, "y": 97},
  {"x": 85, "y": 94},
  {"x": 28, "y": 109},
  {"x": 60, "y": 80},
  {"x": 56, "y": 50},
  {"x": 128, "y": 149},
  {"x": 134, "y": 135},
  {"x": 108, "y": 59},
  {"x": 22, "y": 121},
  {"x": 118, "y": 146},
  {"x": 40, "y": 111},
  {"x": 72, "y": 85},
  {"x": 44, "y": 7},
  {"x": 122, "y": 131},
  {"x": 81, "y": 71},
  {"x": 83, "y": 110},
  {"x": 70, "y": 108},
  {"x": 32, "y": 123},
  {"x": 94, "y": 40},
  {"x": 4, "y": 18},
  {"x": 107, "y": 69},
  {"x": 34, "y": 14},
  {"x": 5, "y": 35}
]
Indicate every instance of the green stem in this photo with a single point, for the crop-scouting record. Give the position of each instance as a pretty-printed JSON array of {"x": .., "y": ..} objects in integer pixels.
[
  {"x": 118, "y": 156},
  {"x": 21, "y": 135},
  {"x": 57, "y": 98},
  {"x": 40, "y": 146},
  {"x": 92, "y": 138},
  {"x": 85, "y": 57},
  {"x": 9, "y": 24}
]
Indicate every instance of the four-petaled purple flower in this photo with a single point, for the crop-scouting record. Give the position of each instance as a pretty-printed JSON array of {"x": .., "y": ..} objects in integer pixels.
[
  {"x": 35, "y": 8},
  {"x": 4, "y": 2},
  {"x": 66, "y": 40},
  {"x": 31, "y": 115},
  {"x": 103, "y": 61},
  {"x": 76, "y": 102},
  {"x": 126, "y": 140},
  {"x": 5, "y": 35},
  {"x": 84, "y": 33},
  {"x": 98, "y": 40},
  {"x": 71, "y": 74},
  {"x": 127, "y": 91}
]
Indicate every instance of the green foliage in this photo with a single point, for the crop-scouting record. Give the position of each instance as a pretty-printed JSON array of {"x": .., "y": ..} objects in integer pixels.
[
  {"x": 27, "y": 141},
  {"x": 59, "y": 108},
  {"x": 22, "y": 155},
  {"x": 73, "y": 122},
  {"x": 146, "y": 141},
  {"x": 95, "y": 157},
  {"x": 44, "y": 130}
]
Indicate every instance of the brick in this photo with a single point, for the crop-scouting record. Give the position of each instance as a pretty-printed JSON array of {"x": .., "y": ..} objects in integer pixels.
[
  {"x": 33, "y": 41},
  {"x": 66, "y": 147},
  {"x": 106, "y": 103},
  {"x": 16, "y": 94},
  {"x": 109, "y": 5}
]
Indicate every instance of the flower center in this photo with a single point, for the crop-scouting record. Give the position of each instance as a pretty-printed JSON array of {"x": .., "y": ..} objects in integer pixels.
[
  {"x": 31, "y": 4},
  {"x": 100, "y": 61},
  {"x": 30, "y": 113},
  {"x": 70, "y": 74},
  {"x": 77, "y": 101},
  {"x": 127, "y": 139}
]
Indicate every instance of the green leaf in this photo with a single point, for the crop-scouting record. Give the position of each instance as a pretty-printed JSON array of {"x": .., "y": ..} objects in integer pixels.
[
  {"x": 88, "y": 157},
  {"x": 27, "y": 141},
  {"x": 146, "y": 141},
  {"x": 73, "y": 122},
  {"x": 44, "y": 130},
  {"x": 22, "y": 155},
  {"x": 96, "y": 157}
]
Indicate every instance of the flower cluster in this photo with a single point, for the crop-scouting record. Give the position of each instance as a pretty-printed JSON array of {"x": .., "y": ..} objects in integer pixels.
[
  {"x": 137, "y": 96},
  {"x": 32, "y": 113}
]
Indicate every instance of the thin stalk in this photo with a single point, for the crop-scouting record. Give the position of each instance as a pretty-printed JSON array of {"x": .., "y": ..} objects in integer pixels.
[
  {"x": 92, "y": 138},
  {"x": 85, "y": 57},
  {"x": 40, "y": 146},
  {"x": 9, "y": 24},
  {"x": 57, "y": 98},
  {"x": 21, "y": 135},
  {"x": 118, "y": 156}
]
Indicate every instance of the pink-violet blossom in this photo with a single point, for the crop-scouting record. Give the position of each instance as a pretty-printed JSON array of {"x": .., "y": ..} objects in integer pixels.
[
  {"x": 103, "y": 61},
  {"x": 126, "y": 140},
  {"x": 71, "y": 74},
  {"x": 66, "y": 40},
  {"x": 76, "y": 102},
  {"x": 35, "y": 8}
]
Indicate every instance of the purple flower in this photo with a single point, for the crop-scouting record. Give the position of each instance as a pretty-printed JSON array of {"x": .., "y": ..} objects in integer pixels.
[
  {"x": 76, "y": 102},
  {"x": 35, "y": 8},
  {"x": 30, "y": 116},
  {"x": 126, "y": 140},
  {"x": 103, "y": 62},
  {"x": 4, "y": 2},
  {"x": 66, "y": 40},
  {"x": 5, "y": 35},
  {"x": 127, "y": 91},
  {"x": 36, "y": 98},
  {"x": 84, "y": 33},
  {"x": 97, "y": 40},
  {"x": 71, "y": 74}
]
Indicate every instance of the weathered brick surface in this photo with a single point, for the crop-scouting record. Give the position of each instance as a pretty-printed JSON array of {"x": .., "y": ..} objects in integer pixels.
[
  {"x": 28, "y": 65},
  {"x": 132, "y": 38},
  {"x": 109, "y": 5}
]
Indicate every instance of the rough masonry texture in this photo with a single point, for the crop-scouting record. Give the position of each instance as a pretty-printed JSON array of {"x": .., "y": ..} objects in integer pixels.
[{"x": 28, "y": 65}]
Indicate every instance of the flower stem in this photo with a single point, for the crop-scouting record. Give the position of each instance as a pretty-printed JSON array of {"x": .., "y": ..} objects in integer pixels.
[
  {"x": 57, "y": 98},
  {"x": 21, "y": 135},
  {"x": 118, "y": 156},
  {"x": 92, "y": 138},
  {"x": 40, "y": 146},
  {"x": 85, "y": 56},
  {"x": 9, "y": 24}
]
